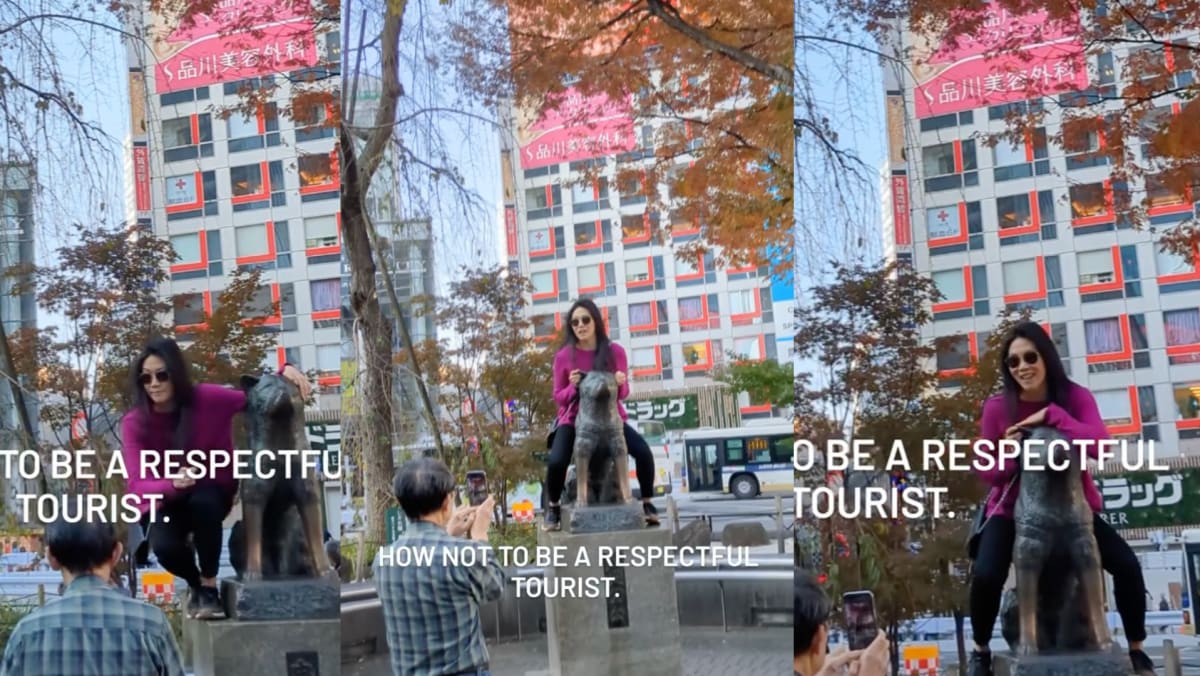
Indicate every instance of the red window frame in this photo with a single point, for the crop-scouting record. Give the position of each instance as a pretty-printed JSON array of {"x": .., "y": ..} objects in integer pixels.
[
  {"x": 1039, "y": 263},
  {"x": 644, "y": 237},
  {"x": 261, "y": 258},
  {"x": 1180, "y": 350},
  {"x": 269, "y": 320},
  {"x": 1118, "y": 282},
  {"x": 963, "y": 229},
  {"x": 973, "y": 359},
  {"x": 1135, "y": 414},
  {"x": 1035, "y": 219},
  {"x": 549, "y": 294},
  {"x": 1126, "y": 351},
  {"x": 332, "y": 249},
  {"x": 1178, "y": 277},
  {"x": 263, "y": 194},
  {"x": 202, "y": 326},
  {"x": 558, "y": 324},
  {"x": 648, "y": 282},
  {"x": 1101, "y": 218},
  {"x": 598, "y": 243},
  {"x": 191, "y": 206},
  {"x": 653, "y": 325},
  {"x": 335, "y": 178},
  {"x": 698, "y": 274},
  {"x": 762, "y": 350},
  {"x": 966, "y": 303},
  {"x": 603, "y": 279},
  {"x": 202, "y": 264},
  {"x": 748, "y": 317},
  {"x": 649, "y": 371},
  {"x": 703, "y": 366},
  {"x": 702, "y": 321},
  {"x": 544, "y": 252}
]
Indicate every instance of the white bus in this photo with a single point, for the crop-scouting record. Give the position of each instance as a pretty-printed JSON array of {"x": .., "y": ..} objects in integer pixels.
[
  {"x": 655, "y": 434},
  {"x": 745, "y": 461}
]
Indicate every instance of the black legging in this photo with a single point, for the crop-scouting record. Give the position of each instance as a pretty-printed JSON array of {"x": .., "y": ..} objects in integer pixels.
[
  {"x": 200, "y": 512},
  {"x": 564, "y": 446},
  {"x": 995, "y": 556}
]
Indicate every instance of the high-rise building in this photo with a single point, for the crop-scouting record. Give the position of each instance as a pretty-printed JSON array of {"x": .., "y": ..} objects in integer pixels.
[
  {"x": 575, "y": 233},
  {"x": 1031, "y": 225},
  {"x": 17, "y": 311},
  {"x": 235, "y": 184}
]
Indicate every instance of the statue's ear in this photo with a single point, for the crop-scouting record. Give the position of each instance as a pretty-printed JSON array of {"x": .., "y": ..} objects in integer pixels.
[{"x": 248, "y": 382}]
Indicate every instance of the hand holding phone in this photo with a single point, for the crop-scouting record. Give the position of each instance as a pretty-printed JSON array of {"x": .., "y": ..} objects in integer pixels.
[
  {"x": 477, "y": 489},
  {"x": 861, "y": 625}
]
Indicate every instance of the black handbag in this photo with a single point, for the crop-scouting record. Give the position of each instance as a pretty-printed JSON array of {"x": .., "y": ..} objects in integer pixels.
[{"x": 981, "y": 520}]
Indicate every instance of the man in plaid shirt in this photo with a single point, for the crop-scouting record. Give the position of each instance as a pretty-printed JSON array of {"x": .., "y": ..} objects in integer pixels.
[
  {"x": 94, "y": 628},
  {"x": 431, "y": 607}
]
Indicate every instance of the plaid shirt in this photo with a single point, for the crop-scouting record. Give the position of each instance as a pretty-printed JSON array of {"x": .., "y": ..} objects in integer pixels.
[
  {"x": 432, "y": 611},
  {"x": 93, "y": 630}
]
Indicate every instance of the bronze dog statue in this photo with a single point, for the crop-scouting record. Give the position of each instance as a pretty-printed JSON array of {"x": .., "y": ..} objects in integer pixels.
[
  {"x": 280, "y": 534},
  {"x": 601, "y": 457},
  {"x": 1059, "y": 596}
]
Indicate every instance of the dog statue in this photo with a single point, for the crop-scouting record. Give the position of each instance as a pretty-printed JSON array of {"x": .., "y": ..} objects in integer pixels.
[
  {"x": 280, "y": 534},
  {"x": 1059, "y": 596},
  {"x": 601, "y": 457}
]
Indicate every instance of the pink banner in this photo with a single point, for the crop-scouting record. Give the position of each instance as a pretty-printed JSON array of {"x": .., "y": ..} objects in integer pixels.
[
  {"x": 510, "y": 228},
  {"x": 141, "y": 177},
  {"x": 237, "y": 40},
  {"x": 580, "y": 128},
  {"x": 958, "y": 77},
  {"x": 900, "y": 215}
]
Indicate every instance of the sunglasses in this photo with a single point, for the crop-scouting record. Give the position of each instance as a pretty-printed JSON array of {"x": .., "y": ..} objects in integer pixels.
[
  {"x": 1030, "y": 358},
  {"x": 581, "y": 321},
  {"x": 160, "y": 376}
]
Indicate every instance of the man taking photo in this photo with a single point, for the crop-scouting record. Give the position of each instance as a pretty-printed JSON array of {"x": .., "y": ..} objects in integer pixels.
[
  {"x": 431, "y": 606},
  {"x": 811, "y": 640}
]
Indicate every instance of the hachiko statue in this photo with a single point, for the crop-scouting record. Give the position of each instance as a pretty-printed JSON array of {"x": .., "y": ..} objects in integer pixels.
[
  {"x": 1059, "y": 595},
  {"x": 601, "y": 458},
  {"x": 280, "y": 532}
]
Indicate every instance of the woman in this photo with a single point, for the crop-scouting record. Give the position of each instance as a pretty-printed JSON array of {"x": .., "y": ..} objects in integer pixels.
[
  {"x": 586, "y": 347},
  {"x": 170, "y": 413},
  {"x": 1037, "y": 392}
]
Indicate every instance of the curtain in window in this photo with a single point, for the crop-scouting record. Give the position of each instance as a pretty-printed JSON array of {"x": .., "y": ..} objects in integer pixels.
[
  {"x": 1182, "y": 326},
  {"x": 326, "y": 294},
  {"x": 1103, "y": 336}
]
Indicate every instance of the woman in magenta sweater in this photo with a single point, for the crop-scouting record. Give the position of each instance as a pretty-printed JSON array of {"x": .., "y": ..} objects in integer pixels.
[
  {"x": 586, "y": 347},
  {"x": 1037, "y": 392},
  {"x": 170, "y": 413}
]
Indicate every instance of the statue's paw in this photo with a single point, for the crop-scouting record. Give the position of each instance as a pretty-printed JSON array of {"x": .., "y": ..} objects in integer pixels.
[
  {"x": 252, "y": 576},
  {"x": 1026, "y": 650}
]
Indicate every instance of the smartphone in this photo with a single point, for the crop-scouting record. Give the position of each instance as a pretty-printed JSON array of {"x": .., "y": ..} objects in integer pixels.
[
  {"x": 477, "y": 490},
  {"x": 861, "y": 627}
]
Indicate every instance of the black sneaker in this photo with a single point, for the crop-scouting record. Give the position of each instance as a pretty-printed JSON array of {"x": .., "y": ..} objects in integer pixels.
[
  {"x": 553, "y": 518},
  {"x": 209, "y": 604},
  {"x": 193, "y": 602},
  {"x": 980, "y": 664},
  {"x": 1142, "y": 664},
  {"x": 651, "y": 513}
]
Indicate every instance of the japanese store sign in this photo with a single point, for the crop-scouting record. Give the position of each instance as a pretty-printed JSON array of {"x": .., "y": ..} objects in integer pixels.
[
  {"x": 576, "y": 127},
  {"x": 977, "y": 72},
  {"x": 237, "y": 39},
  {"x": 675, "y": 413},
  {"x": 1151, "y": 499}
]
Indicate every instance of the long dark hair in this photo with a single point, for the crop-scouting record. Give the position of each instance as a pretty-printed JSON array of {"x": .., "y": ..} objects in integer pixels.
[
  {"x": 603, "y": 352},
  {"x": 181, "y": 381},
  {"x": 1058, "y": 385}
]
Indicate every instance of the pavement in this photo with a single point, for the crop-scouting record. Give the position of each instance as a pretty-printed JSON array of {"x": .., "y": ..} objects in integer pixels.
[{"x": 707, "y": 651}]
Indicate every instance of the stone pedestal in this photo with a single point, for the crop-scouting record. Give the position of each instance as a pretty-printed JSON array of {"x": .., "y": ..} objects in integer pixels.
[
  {"x": 283, "y": 647},
  {"x": 634, "y": 630},
  {"x": 604, "y": 518},
  {"x": 308, "y": 598},
  {"x": 1111, "y": 663}
]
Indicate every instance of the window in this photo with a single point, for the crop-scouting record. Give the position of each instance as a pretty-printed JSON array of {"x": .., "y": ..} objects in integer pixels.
[
  {"x": 641, "y": 314},
  {"x": 1081, "y": 136},
  {"x": 326, "y": 294},
  {"x": 1115, "y": 407},
  {"x": 697, "y": 354},
  {"x": 938, "y": 160},
  {"x": 1014, "y": 211},
  {"x": 1007, "y": 153},
  {"x": 182, "y": 190},
  {"x": 1183, "y": 335},
  {"x": 543, "y": 282},
  {"x": 743, "y": 302},
  {"x": 537, "y": 198},
  {"x": 685, "y": 267},
  {"x": 246, "y": 180},
  {"x": 1187, "y": 401},
  {"x": 189, "y": 309},
  {"x": 1095, "y": 267},
  {"x": 590, "y": 277},
  {"x": 692, "y": 309},
  {"x": 1103, "y": 335},
  {"x": 187, "y": 248},
  {"x": 635, "y": 228},
  {"x": 1021, "y": 277},
  {"x": 177, "y": 132},
  {"x": 1088, "y": 201},
  {"x": 1160, "y": 194},
  {"x": 320, "y": 231},
  {"x": 637, "y": 270},
  {"x": 748, "y": 347},
  {"x": 329, "y": 358},
  {"x": 251, "y": 240},
  {"x": 645, "y": 358},
  {"x": 953, "y": 353},
  {"x": 241, "y": 125},
  {"x": 582, "y": 192},
  {"x": 1169, "y": 263},
  {"x": 315, "y": 170},
  {"x": 951, "y": 284}
]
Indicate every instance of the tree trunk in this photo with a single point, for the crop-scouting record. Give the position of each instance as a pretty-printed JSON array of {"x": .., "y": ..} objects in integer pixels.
[
  {"x": 893, "y": 634},
  {"x": 373, "y": 385},
  {"x": 960, "y": 641}
]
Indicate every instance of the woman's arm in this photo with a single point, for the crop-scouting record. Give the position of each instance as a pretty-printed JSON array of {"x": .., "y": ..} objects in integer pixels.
[
  {"x": 133, "y": 443},
  {"x": 564, "y": 391},
  {"x": 992, "y": 426},
  {"x": 1088, "y": 426},
  {"x": 620, "y": 365}
]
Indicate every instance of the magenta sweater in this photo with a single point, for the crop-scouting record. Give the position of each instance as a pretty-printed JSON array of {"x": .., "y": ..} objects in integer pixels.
[
  {"x": 212, "y": 429},
  {"x": 1080, "y": 419},
  {"x": 565, "y": 392}
]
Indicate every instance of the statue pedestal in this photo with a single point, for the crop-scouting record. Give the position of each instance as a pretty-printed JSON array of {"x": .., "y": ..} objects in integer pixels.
[
  {"x": 604, "y": 518},
  {"x": 290, "y": 627},
  {"x": 634, "y": 629},
  {"x": 1112, "y": 663}
]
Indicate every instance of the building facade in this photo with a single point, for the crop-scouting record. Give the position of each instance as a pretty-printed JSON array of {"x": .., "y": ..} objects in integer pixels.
[
  {"x": 573, "y": 232},
  {"x": 237, "y": 185},
  {"x": 1032, "y": 225},
  {"x": 17, "y": 311}
]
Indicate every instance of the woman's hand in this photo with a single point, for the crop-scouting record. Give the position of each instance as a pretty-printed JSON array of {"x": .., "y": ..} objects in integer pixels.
[
  {"x": 183, "y": 482},
  {"x": 1036, "y": 420},
  {"x": 620, "y": 375},
  {"x": 298, "y": 379},
  {"x": 575, "y": 377}
]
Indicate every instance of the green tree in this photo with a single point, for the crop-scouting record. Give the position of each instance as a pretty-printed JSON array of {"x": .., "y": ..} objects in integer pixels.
[{"x": 766, "y": 381}]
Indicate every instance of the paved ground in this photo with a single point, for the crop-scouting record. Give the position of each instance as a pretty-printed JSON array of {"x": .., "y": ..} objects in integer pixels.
[{"x": 706, "y": 652}]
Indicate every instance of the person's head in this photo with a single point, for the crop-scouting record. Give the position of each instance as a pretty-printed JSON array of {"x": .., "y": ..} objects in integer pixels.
[
  {"x": 160, "y": 376},
  {"x": 584, "y": 324},
  {"x": 811, "y": 622},
  {"x": 83, "y": 548},
  {"x": 1031, "y": 365},
  {"x": 425, "y": 489}
]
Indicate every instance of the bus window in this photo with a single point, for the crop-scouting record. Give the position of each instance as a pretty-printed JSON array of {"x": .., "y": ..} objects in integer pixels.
[
  {"x": 734, "y": 453},
  {"x": 760, "y": 450},
  {"x": 782, "y": 450}
]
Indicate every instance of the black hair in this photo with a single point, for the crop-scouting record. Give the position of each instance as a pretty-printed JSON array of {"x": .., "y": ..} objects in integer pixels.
[
  {"x": 181, "y": 382},
  {"x": 811, "y": 612},
  {"x": 603, "y": 357},
  {"x": 422, "y": 485},
  {"x": 81, "y": 547},
  {"x": 1058, "y": 385}
]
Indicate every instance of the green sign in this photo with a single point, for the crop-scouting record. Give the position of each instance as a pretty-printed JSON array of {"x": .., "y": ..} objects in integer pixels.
[
  {"x": 675, "y": 413},
  {"x": 1151, "y": 499},
  {"x": 326, "y": 437},
  {"x": 395, "y": 523}
]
